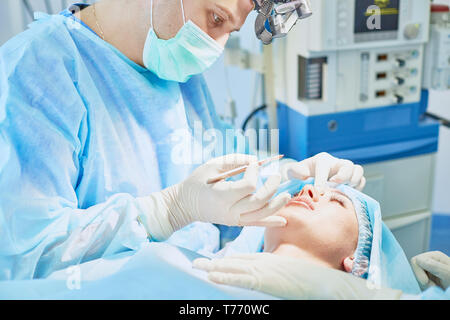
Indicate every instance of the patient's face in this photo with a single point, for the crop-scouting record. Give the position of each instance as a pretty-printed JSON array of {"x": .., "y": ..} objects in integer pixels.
[{"x": 322, "y": 224}]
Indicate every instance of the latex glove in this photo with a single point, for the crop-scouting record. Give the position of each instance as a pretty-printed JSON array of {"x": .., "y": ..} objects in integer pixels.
[
  {"x": 231, "y": 203},
  {"x": 432, "y": 269},
  {"x": 290, "y": 278},
  {"x": 324, "y": 167}
]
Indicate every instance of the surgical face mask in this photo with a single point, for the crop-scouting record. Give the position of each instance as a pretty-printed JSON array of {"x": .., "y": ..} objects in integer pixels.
[{"x": 190, "y": 52}]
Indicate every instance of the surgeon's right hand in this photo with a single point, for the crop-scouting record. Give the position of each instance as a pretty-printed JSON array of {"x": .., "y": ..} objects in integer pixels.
[{"x": 231, "y": 203}]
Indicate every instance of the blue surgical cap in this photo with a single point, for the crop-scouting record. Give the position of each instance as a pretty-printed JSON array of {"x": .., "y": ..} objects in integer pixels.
[
  {"x": 363, "y": 250},
  {"x": 377, "y": 247}
]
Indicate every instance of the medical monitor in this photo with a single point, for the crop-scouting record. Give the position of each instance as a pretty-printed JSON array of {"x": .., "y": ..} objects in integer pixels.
[
  {"x": 358, "y": 24},
  {"x": 376, "y": 19}
]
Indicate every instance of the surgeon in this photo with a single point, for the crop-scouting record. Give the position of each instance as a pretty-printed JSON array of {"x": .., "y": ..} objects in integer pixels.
[{"x": 91, "y": 104}]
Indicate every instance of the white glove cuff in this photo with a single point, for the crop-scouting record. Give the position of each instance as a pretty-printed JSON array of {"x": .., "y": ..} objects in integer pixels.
[{"x": 155, "y": 216}]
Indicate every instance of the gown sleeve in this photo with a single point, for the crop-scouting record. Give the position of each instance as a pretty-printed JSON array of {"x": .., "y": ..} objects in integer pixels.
[{"x": 42, "y": 136}]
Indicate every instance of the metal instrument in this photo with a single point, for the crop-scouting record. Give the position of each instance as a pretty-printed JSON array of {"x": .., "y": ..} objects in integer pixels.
[{"x": 277, "y": 17}]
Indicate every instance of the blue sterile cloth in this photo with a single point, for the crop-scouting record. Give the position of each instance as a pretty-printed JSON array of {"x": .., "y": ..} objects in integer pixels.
[
  {"x": 83, "y": 131},
  {"x": 435, "y": 293},
  {"x": 156, "y": 271}
]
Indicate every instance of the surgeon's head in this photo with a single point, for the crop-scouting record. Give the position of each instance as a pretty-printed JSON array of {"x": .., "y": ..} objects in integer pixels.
[
  {"x": 321, "y": 225},
  {"x": 218, "y": 18}
]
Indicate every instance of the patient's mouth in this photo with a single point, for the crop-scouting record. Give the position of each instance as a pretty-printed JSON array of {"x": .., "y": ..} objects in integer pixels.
[{"x": 301, "y": 201}]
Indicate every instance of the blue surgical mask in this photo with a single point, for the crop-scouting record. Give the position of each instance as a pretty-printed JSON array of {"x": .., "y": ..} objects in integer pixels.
[{"x": 190, "y": 52}]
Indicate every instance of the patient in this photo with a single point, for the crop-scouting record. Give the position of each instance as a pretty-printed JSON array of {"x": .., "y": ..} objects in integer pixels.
[
  {"x": 329, "y": 228},
  {"x": 332, "y": 229}
]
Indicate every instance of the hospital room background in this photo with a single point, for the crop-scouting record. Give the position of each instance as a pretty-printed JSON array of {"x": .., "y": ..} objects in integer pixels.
[{"x": 238, "y": 92}]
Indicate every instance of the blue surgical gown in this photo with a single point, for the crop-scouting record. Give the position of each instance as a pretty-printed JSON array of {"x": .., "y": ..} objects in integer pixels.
[{"x": 83, "y": 132}]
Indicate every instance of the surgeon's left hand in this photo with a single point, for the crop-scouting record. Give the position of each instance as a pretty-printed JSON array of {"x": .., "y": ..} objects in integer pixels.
[
  {"x": 432, "y": 269},
  {"x": 323, "y": 167},
  {"x": 290, "y": 278}
]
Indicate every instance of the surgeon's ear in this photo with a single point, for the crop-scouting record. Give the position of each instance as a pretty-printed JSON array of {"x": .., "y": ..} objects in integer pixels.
[{"x": 348, "y": 264}]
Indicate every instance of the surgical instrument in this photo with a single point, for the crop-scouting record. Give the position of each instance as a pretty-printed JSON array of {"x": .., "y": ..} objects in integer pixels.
[
  {"x": 277, "y": 17},
  {"x": 240, "y": 170}
]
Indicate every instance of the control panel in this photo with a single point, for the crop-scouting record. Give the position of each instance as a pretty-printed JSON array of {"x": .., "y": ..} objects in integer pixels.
[
  {"x": 354, "y": 54},
  {"x": 385, "y": 78}
]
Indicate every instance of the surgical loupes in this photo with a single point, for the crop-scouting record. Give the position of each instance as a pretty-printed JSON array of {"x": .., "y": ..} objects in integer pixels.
[{"x": 277, "y": 17}]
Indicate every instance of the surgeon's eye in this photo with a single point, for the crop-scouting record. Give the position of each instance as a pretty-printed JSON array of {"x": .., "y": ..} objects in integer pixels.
[
  {"x": 216, "y": 19},
  {"x": 338, "y": 199}
]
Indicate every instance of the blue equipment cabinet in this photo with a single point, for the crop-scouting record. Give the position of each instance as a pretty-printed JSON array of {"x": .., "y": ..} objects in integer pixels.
[{"x": 362, "y": 136}]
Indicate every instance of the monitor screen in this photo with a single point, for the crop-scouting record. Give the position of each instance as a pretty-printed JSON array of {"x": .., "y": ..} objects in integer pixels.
[{"x": 386, "y": 21}]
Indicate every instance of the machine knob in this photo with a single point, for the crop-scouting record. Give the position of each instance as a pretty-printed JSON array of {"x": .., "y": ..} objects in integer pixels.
[
  {"x": 399, "y": 81},
  {"x": 413, "y": 90},
  {"x": 415, "y": 54},
  {"x": 412, "y": 31},
  {"x": 398, "y": 98},
  {"x": 400, "y": 62}
]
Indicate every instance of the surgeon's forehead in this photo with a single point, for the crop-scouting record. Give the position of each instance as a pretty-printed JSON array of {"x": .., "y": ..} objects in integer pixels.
[
  {"x": 235, "y": 4},
  {"x": 238, "y": 9}
]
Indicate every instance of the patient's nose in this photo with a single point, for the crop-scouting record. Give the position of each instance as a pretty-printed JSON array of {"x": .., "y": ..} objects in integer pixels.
[{"x": 310, "y": 192}]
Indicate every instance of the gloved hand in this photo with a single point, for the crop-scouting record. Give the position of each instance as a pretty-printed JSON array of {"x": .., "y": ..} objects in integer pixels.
[
  {"x": 324, "y": 167},
  {"x": 432, "y": 269},
  {"x": 231, "y": 203},
  {"x": 290, "y": 278}
]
